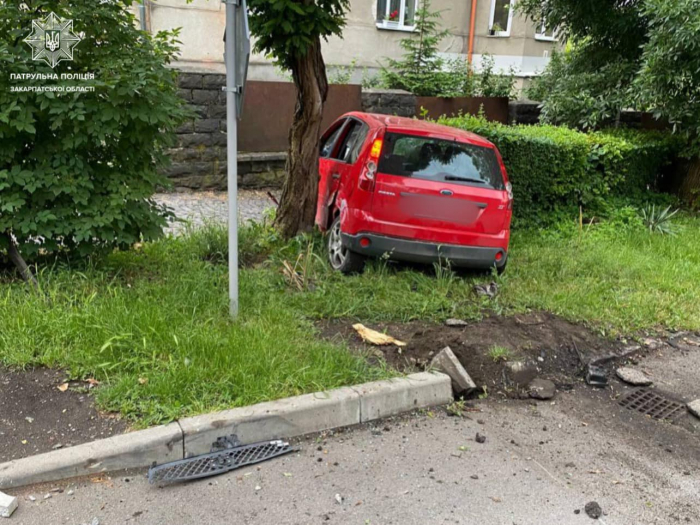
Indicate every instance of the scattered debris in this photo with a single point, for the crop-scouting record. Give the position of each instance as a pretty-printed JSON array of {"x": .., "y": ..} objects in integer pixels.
[
  {"x": 694, "y": 407},
  {"x": 339, "y": 499},
  {"x": 479, "y": 438},
  {"x": 57, "y": 446},
  {"x": 456, "y": 322},
  {"x": 489, "y": 290},
  {"x": 31, "y": 497},
  {"x": 474, "y": 476},
  {"x": 95, "y": 521},
  {"x": 8, "y": 504},
  {"x": 47, "y": 496},
  {"x": 652, "y": 344},
  {"x": 519, "y": 373},
  {"x": 447, "y": 362},
  {"x": 29, "y": 419},
  {"x": 542, "y": 389},
  {"x": 63, "y": 387},
  {"x": 593, "y": 510},
  {"x": 70, "y": 492},
  {"x": 596, "y": 376},
  {"x": 376, "y": 338},
  {"x": 633, "y": 376},
  {"x": 226, "y": 454},
  {"x": 257, "y": 488}
]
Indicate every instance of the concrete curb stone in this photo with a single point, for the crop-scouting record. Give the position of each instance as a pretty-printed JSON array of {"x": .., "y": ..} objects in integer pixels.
[{"x": 284, "y": 418}]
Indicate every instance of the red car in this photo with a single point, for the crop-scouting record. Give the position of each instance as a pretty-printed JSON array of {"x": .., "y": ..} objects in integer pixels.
[{"x": 414, "y": 191}]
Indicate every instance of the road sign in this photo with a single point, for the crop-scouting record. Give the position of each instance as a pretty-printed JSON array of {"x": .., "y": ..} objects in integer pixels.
[{"x": 242, "y": 53}]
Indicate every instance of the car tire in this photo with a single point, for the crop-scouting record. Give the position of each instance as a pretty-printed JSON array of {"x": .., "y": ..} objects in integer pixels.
[{"x": 339, "y": 256}]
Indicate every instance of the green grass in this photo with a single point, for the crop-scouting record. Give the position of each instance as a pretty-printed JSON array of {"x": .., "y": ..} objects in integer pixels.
[
  {"x": 161, "y": 313},
  {"x": 499, "y": 353}
]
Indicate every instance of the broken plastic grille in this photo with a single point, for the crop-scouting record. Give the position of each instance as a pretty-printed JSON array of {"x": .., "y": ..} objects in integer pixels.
[
  {"x": 217, "y": 462},
  {"x": 652, "y": 404}
]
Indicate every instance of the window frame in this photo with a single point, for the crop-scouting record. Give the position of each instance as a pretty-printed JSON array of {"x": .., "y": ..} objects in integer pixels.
[
  {"x": 541, "y": 34},
  {"x": 506, "y": 33},
  {"x": 340, "y": 139},
  {"x": 338, "y": 127},
  {"x": 396, "y": 25}
]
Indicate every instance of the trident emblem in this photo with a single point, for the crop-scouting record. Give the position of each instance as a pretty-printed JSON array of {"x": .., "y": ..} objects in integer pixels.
[{"x": 53, "y": 40}]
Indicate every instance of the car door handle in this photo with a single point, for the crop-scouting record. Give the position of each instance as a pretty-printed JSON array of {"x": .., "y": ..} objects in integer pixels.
[
  {"x": 336, "y": 175},
  {"x": 449, "y": 193}
]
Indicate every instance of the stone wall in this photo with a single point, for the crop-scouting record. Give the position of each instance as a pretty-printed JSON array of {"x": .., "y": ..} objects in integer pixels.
[
  {"x": 389, "y": 102},
  {"x": 523, "y": 112}
]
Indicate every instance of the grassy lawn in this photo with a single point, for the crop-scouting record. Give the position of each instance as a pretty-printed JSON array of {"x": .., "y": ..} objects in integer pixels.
[{"x": 152, "y": 324}]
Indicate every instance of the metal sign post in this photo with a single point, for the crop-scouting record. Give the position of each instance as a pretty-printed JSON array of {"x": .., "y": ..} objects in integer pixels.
[{"x": 236, "y": 57}]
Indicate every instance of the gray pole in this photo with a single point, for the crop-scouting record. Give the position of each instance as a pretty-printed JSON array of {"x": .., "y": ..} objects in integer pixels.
[{"x": 232, "y": 155}]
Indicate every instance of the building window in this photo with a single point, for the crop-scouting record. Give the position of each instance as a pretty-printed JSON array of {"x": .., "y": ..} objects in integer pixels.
[
  {"x": 501, "y": 17},
  {"x": 545, "y": 33},
  {"x": 396, "y": 14}
]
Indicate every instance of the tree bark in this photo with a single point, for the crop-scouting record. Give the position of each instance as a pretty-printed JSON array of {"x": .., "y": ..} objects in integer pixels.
[
  {"x": 297, "y": 208},
  {"x": 19, "y": 262}
]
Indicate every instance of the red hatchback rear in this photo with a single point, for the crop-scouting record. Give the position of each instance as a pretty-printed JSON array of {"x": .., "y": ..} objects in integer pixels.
[{"x": 414, "y": 191}]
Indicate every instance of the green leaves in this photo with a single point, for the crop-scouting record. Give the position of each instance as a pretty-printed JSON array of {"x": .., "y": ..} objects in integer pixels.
[
  {"x": 284, "y": 29},
  {"x": 555, "y": 171},
  {"x": 77, "y": 168}
]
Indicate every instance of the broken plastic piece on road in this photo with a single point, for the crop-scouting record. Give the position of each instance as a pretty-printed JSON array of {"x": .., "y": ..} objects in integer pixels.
[
  {"x": 226, "y": 454},
  {"x": 596, "y": 376}
]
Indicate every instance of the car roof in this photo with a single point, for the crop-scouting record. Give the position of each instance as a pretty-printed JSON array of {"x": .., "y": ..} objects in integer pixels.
[{"x": 421, "y": 127}]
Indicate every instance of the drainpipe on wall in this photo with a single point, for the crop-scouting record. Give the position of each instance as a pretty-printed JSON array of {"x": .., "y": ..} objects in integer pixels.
[
  {"x": 142, "y": 15},
  {"x": 472, "y": 25}
]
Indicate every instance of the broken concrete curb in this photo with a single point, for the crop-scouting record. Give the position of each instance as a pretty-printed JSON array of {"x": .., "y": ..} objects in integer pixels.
[
  {"x": 289, "y": 417},
  {"x": 633, "y": 377},
  {"x": 447, "y": 363},
  {"x": 8, "y": 504}
]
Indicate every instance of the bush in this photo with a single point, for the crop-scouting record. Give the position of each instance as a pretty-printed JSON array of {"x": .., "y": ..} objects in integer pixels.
[
  {"x": 556, "y": 170},
  {"x": 77, "y": 169}
]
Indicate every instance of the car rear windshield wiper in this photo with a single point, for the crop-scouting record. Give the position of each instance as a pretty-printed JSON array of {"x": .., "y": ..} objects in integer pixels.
[{"x": 464, "y": 179}]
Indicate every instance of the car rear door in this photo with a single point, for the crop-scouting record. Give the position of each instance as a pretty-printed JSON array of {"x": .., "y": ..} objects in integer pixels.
[{"x": 439, "y": 190}]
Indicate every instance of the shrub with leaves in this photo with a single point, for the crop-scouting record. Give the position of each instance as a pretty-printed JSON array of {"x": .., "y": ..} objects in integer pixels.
[
  {"x": 78, "y": 169},
  {"x": 557, "y": 171}
]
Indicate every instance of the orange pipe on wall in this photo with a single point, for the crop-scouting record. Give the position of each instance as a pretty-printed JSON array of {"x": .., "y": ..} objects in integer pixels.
[{"x": 472, "y": 24}]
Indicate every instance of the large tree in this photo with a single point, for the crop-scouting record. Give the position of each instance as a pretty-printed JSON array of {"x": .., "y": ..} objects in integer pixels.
[{"x": 291, "y": 32}]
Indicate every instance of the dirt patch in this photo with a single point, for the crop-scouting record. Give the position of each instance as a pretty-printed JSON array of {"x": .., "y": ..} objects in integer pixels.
[
  {"x": 36, "y": 417},
  {"x": 557, "y": 347}
]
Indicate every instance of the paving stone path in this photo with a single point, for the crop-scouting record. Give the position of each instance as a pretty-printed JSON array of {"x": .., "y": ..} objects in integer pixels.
[{"x": 199, "y": 208}]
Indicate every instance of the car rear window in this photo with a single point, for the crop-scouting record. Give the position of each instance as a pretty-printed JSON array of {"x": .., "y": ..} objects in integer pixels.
[{"x": 440, "y": 160}]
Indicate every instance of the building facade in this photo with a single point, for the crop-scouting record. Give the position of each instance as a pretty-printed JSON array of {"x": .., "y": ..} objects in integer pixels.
[{"x": 373, "y": 32}]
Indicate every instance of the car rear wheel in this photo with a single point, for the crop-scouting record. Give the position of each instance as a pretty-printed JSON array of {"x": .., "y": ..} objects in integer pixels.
[{"x": 339, "y": 256}]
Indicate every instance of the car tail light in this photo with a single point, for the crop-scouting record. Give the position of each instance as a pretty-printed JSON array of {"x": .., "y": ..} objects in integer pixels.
[
  {"x": 369, "y": 172},
  {"x": 499, "y": 256}
]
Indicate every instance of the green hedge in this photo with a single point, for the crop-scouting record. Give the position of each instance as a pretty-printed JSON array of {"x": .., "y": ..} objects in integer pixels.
[{"x": 554, "y": 170}]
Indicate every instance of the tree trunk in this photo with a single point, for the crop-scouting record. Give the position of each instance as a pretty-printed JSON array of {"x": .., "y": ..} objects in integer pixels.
[
  {"x": 689, "y": 190},
  {"x": 297, "y": 208},
  {"x": 18, "y": 261}
]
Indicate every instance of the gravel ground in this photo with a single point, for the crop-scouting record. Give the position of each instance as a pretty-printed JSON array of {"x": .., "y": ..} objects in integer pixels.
[{"x": 201, "y": 207}]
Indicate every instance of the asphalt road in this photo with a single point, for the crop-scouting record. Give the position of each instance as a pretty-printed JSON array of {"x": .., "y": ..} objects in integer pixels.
[{"x": 541, "y": 463}]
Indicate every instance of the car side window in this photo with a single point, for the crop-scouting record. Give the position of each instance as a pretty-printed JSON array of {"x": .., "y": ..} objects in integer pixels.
[
  {"x": 352, "y": 143},
  {"x": 328, "y": 142}
]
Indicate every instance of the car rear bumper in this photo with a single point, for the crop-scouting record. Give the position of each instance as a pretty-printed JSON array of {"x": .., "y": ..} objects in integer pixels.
[{"x": 424, "y": 252}]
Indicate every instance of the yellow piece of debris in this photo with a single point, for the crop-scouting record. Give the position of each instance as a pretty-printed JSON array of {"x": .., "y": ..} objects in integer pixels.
[{"x": 376, "y": 338}]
